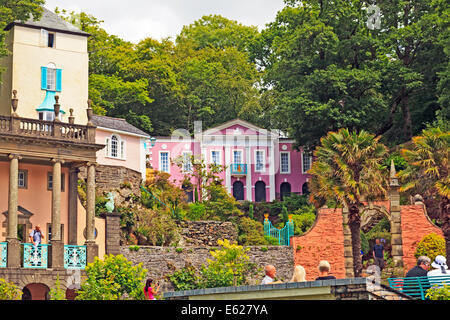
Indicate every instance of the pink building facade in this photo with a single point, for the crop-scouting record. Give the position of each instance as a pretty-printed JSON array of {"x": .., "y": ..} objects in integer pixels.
[{"x": 260, "y": 164}]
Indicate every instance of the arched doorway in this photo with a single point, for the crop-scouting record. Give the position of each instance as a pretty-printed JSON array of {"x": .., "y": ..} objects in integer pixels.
[
  {"x": 189, "y": 193},
  {"x": 285, "y": 190},
  {"x": 36, "y": 291},
  {"x": 305, "y": 189},
  {"x": 238, "y": 190},
  {"x": 260, "y": 191}
]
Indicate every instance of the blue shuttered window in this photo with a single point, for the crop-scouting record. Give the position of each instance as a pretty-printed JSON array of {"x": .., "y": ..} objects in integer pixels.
[
  {"x": 55, "y": 80},
  {"x": 58, "y": 80},
  {"x": 44, "y": 78}
]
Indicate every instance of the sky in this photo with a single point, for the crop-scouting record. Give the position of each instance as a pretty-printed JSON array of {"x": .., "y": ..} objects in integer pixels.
[{"x": 134, "y": 20}]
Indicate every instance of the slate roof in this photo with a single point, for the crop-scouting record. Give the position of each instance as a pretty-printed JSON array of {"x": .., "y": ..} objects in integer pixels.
[
  {"x": 49, "y": 21},
  {"x": 116, "y": 124}
]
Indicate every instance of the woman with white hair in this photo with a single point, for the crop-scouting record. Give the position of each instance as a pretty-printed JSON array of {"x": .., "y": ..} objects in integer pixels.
[
  {"x": 324, "y": 270},
  {"x": 299, "y": 274},
  {"x": 440, "y": 269}
]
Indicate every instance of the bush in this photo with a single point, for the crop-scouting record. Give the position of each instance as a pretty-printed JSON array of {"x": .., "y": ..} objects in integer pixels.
[
  {"x": 303, "y": 222},
  {"x": 196, "y": 211},
  {"x": 438, "y": 293},
  {"x": 271, "y": 240},
  {"x": 431, "y": 246},
  {"x": 9, "y": 291},
  {"x": 251, "y": 232},
  {"x": 157, "y": 227},
  {"x": 365, "y": 246},
  {"x": 184, "y": 279},
  {"x": 114, "y": 278}
]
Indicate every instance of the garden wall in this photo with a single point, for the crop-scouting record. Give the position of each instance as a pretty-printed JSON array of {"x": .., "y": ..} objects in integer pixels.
[
  {"x": 162, "y": 261},
  {"x": 206, "y": 233}
]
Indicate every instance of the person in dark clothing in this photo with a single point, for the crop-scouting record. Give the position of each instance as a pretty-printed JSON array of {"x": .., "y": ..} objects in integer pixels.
[
  {"x": 421, "y": 269},
  {"x": 324, "y": 269},
  {"x": 378, "y": 254}
]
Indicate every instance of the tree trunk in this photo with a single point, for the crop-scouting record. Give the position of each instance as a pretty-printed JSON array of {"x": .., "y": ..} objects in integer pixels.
[
  {"x": 354, "y": 223},
  {"x": 445, "y": 218}
]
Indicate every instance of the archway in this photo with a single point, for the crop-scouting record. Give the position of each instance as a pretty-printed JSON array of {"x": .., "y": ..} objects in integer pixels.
[
  {"x": 260, "y": 191},
  {"x": 36, "y": 291},
  {"x": 238, "y": 190},
  {"x": 305, "y": 188},
  {"x": 285, "y": 190}
]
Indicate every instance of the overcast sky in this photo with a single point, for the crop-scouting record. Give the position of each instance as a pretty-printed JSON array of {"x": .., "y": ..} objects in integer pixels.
[{"x": 134, "y": 20}]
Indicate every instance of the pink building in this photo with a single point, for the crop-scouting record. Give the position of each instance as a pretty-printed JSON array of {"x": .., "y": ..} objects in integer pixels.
[{"x": 260, "y": 165}]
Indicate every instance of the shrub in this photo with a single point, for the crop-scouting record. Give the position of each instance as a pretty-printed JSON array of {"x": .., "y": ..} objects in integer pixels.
[
  {"x": 114, "y": 278},
  {"x": 57, "y": 293},
  {"x": 9, "y": 291},
  {"x": 196, "y": 211},
  {"x": 251, "y": 232},
  {"x": 431, "y": 246},
  {"x": 271, "y": 240},
  {"x": 133, "y": 248},
  {"x": 303, "y": 222},
  {"x": 439, "y": 293},
  {"x": 184, "y": 279},
  {"x": 158, "y": 227},
  {"x": 365, "y": 246}
]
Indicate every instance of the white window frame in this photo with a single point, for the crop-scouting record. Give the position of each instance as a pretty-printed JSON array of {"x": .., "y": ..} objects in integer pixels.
[
  {"x": 187, "y": 165},
  {"x": 160, "y": 162},
  {"x": 255, "y": 153},
  {"x": 219, "y": 162},
  {"x": 242, "y": 156},
  {"x": 289, "y": 162},
  {"x": 121, "y": 147},
  {"x": 303, "y": 163},
  {"x": 51, "y": 77}
]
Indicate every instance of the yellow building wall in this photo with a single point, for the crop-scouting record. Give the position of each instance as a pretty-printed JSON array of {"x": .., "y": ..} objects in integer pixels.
[{"x": 24, "y": 72}]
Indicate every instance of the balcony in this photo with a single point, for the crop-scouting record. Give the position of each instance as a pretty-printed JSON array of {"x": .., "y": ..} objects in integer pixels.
[
  {"x": 37, "y": 257},
  {"x": 238, "y": 169}
]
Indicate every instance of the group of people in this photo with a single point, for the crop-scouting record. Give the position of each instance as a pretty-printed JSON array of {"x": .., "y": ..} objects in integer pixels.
[
  {"x": 299, "y": 274},
  {"x": 423, "y": 265}
]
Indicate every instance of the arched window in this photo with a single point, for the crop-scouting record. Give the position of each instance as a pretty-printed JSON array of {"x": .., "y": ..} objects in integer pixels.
[
  {"x": 305, "y": 189},
  {"x": 238, "y": 190},
  {"x": 115, "y": 147}
]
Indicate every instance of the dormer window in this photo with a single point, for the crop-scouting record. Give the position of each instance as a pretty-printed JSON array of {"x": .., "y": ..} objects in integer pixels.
[
  {"x": 115, "y": 147},
  {"x": 47, "y": 39}
]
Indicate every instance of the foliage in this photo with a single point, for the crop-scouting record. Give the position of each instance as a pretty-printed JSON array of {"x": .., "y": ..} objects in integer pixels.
[
  {"x": 156, "y": 227},
  {"x": 250, "y": 232},
  {"x": 303, "y": 222},
  {"x": 220, "y": 205},
  {"x": 57, "y": 293},
  {"x": 438, "y": 292},
  {"x": 348, "y": 170},
  {"x": 196, "y": 211},
  {"x": 114, "y": 278},
  {"x": 271, "y": 240},
  {"x": 227, "y": 268},
  {"x": 184, "y": 279},
  {"x": 431, "y": 246},
  {"x": 365, "y": 247},
  {"x": 9, "y": 291},
  {"x": 250, "y": 212}
]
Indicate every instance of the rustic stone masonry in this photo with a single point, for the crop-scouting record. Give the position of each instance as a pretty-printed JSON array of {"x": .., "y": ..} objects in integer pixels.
[
  {"x": 109, "y": 178},
  {"x": 162, "y": 261},
  {"x": 206, "y": 233}
]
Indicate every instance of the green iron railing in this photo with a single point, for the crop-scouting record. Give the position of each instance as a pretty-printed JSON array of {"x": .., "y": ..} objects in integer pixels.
[
  {"x": 35, "y": 256},
  {"x": 417, "y": 287},
  {"x": 74, "y": 257},
  {"x": 283, "y": 235},
  {"x": 3, "y": 254}
]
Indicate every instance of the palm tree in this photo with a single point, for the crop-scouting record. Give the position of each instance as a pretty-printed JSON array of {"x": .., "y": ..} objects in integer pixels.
[
  {"x": 427, "y": 173},
  {"x": 347, "y": 169}
]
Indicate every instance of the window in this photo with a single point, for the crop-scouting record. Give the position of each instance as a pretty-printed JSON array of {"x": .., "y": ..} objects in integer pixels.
[
  {"x": 187, "y": 165},
  {"x": 47, "y": 39},
  {"x": 50, "y": 181},
  {"x": 164, "y": 162},
  {"x": 285, "y": 165},
  {"x": 51, "y": 40},
  {"x": 259, "y": 160},
  {"x": 306, "y": 162},
  {"x": 51, "y": 77},
  {"x": 49, "y": 116},
  {"x": 215, "y": 157},
  {"x": 237, "y": 156},
  {"x": 23, "y": 179},
  {"x": 115, "y": 147}
]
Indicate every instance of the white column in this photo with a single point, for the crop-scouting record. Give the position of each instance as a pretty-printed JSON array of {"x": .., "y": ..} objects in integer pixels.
[
  {"x": 248, "y": 181},
  {"x": 228, "y": 171},
  {"x": 272, "y": 188}
]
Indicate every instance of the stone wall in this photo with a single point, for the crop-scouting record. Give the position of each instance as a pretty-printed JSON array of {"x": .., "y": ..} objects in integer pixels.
[
  {"x": 109, "y": 178},
  {"x": 161, "y": 261},
  {"x": 206, "y": 233}
]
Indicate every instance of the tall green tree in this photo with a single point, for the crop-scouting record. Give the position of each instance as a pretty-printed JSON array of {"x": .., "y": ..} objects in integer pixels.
[
  {"x": 347, "y": 170},
  {"x": 13, "y": 10},
  {"x": 428, "y": 172}
]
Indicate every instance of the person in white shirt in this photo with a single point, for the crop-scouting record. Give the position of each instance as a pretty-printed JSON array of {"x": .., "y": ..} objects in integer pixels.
[
  {"x": 440, "y": 269},
  {"x": 270, "y": 275}
]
